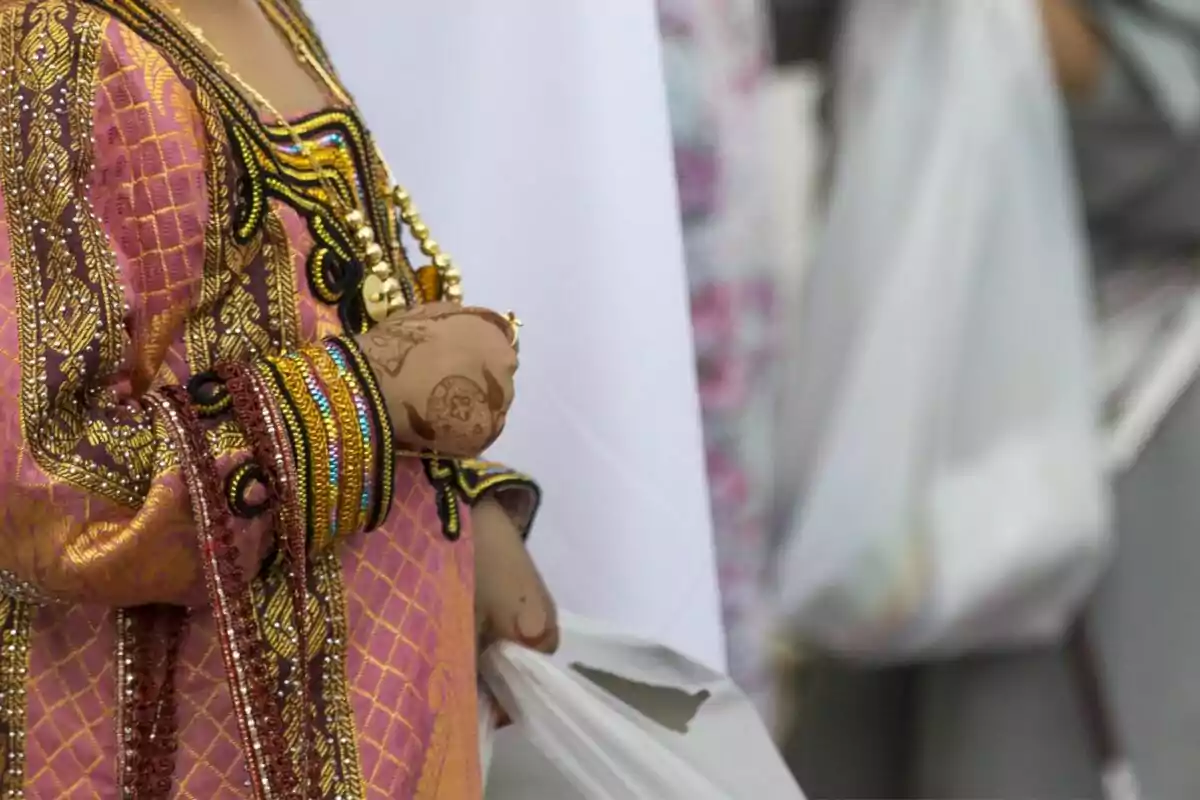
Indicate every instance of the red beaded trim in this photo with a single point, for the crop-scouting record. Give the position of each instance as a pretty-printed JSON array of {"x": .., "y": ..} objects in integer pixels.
[
  {"x": 272, "y": 773},
  {"x": 261, "y": 420},
  {"x": 149, "y": 720}
]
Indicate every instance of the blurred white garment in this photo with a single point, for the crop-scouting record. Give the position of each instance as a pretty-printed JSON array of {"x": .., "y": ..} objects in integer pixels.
[
  {"x": 715, "y": 68},
  {"x": 534, "y": 136},
  {"x": 957, "y": 500}
]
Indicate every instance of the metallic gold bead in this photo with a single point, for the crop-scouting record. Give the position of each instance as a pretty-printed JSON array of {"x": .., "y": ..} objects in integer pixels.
[
  {"x": 442, "y": 261},
  {"x": 373, "y": 253},
  {"x": 355, "y": 219},
  {"x": 430, "y": 248},
  {"x": 383, "y": 269},
  {"x": 365, "y": 235},
  {"x": 410, "y": 215},
  {"x": 390, "y": 287},
  {"x": 400, "y": 196},
  {"x": 454, "y": 293},
  {"x": 451, "y": 276},
  {"x": 397, "y": 302},
  {"x": 374, "y": 298},
  {"x": 420, "y": 230}
]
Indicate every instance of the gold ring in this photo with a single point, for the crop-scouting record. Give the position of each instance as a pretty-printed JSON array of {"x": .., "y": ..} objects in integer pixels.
[{"x": 516, "y": 326}]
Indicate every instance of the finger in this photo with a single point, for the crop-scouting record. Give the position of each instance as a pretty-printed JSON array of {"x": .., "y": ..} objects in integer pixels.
[{"x": 536, "y": 625}]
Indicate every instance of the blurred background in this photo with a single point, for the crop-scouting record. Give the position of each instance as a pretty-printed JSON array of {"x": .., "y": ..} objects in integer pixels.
[
  {"x": 929, "y": 267},
  {"x": 861, "y": 184}
]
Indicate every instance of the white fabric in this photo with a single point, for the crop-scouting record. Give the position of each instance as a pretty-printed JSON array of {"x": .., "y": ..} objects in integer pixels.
[
  {"x": 611, "y": 717},
  {"x": 1149, "y": 355},
  {"x": 957, "y": 498},
  {"x": 534, "y": 136}
]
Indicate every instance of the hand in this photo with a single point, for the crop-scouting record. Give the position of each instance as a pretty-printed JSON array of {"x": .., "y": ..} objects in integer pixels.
[
  {"x": 511, "y": 600},
  {"x": 1076, "y": 50},
  {"x": 446, "y": 374}
]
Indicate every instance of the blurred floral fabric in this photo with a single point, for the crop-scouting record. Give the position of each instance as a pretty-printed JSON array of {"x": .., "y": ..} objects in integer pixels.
[{"x": 715, "y": 64}]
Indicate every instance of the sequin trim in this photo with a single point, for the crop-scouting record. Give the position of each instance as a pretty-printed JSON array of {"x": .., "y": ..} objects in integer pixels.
[
  {"x": 381, "y": 424},
  {"x": 24, "y": 591},
  {"x": 238, "y": 484},
  {"x": 517, "y": 492},
  {"x": 149, "y": 641},
  {"x": 46, "y": 113},
  {"x": 441, "y": 475},
  {"x": 333, "y": 418},
  {"x": 363, "y": 414},
  {"x": 15, "y": 626},
  {"x": 355, "y": 438},
  {"x": 268, "y": 436},
  {"x": 272, "y": 772}
]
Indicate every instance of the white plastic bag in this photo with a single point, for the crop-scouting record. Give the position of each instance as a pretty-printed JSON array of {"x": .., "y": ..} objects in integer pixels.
[
  {"x": 955, "y": 498},
  {"x": 614, "y": 718}
]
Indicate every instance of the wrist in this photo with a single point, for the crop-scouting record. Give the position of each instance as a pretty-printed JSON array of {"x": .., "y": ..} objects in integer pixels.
[{"x": 374, "y": 366}]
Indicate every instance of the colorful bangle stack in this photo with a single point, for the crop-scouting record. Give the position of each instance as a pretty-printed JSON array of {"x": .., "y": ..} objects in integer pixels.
[
  {"x": 368, "y": 400},
  {"x": 340, "y": 433}
]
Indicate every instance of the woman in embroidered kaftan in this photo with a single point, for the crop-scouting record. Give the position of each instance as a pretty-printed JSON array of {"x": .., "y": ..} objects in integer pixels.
[{"x": 224, "y": 571}]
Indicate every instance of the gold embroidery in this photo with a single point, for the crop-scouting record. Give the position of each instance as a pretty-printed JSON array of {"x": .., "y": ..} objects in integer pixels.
[
  {"x": 244, "y": 336},
  {"x": 256, "y": 150},
  {"x": 70, "y": 301},
  {"x": 342, "y": 736},
  {"x": 227, "y": 293},
  {"x": 88, "y": 556},
  {"x": 200, "y": 333},
  {"x": 15, "y": 618},
  {"x": 157, "y": 72},
  {"x": 63, "y": 263},
  {"x": 273, "y": 599},
  {"x": 227, "y": 438},
  {"x": 335, "y": 735},
  {"x": 281, "y": 283}
]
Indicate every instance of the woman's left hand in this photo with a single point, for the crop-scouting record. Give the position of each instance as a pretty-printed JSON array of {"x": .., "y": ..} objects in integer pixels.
[{"x": 511, "y": 600}]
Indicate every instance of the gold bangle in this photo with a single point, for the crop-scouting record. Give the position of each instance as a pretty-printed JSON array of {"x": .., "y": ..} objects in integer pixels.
[
  {"x": 350, "y": 502},
  {"x": 269, "y": 382},
  {"x": 313, "y": 429},
  {"x": 386, "y": 444}
]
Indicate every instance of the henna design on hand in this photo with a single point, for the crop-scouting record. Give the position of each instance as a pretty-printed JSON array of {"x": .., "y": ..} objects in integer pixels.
[
  {"x": 389, "y": 348},
  {"x": 465, "y": 411},
  {"x": 458, "y": 411},
  {"x": 418, "y": 424}
]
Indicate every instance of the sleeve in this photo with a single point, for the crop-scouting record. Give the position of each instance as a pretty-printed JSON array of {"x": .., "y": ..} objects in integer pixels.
[
  {"x": 104, "y": 219},
  {"x": 518, "y": 493},
  {"x": 472, "y": 480}
]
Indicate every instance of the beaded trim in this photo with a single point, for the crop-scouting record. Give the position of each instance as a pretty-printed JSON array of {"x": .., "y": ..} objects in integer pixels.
[
  {"x": 24, "y": 591},
  {"x": 149, "y": 641},
  {"x": 366, "y": 429},
  {"x": 381, "y": 425},
  {"x": 354, "y": 439},
  {"x": 238, "y": 484},
  {"x": 272, "y": 773},
  {"x": 320, "y": 470},
  {"x": 479, "y": 479},
  {"x": 209, "y": 396},
  {"x": 334, "y": 417},
  {"x": 15, "y": 625},
  {"x": 267, "y": 431},
  {"x": 441, "y": 475}
]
